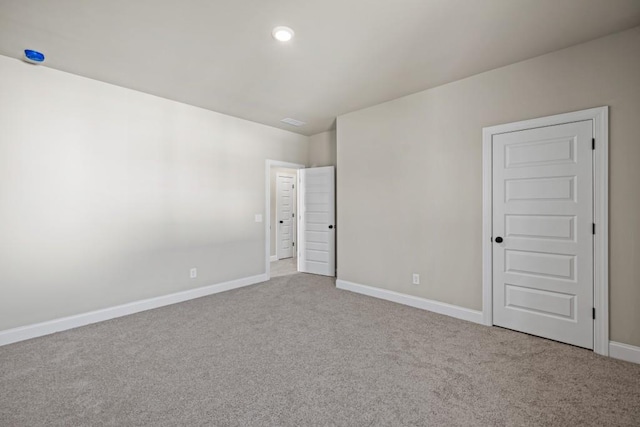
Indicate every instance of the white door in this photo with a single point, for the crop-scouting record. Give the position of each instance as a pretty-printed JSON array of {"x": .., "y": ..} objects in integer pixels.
[
  {"x": 543, "y": 232},
  {"x": 317, "y": 236},
  {"x": 285, "y": 216}
]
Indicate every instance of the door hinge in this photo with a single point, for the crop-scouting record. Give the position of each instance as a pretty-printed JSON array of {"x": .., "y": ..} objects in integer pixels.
[
  {"x": 293, "y": 243},
  {"x": 293, "y": 186},
  {"x": 593, "y": 143},
  {"x": 594, "y": 228},
  {"x": 594, "y": 313}
]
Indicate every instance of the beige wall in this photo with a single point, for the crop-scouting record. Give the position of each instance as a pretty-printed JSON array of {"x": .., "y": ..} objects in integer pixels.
[
  {"x": 426, "y": 216},
  {"x": 322, "y": 149},
  {"x": 273, "y": 190},
  {"x": 108, "y": 195}
]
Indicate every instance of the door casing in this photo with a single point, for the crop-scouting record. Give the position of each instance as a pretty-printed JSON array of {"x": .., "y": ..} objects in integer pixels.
[
  {"x": 267, "y": 207},
  {"x": 600, "y": 118}
]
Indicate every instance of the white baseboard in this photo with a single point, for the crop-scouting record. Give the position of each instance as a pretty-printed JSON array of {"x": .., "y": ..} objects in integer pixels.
[
  {"x": 412, "y": 301},
  {"x": 273, "y": 258},
  {"x": 629, "y": 353},
  {"x": 45, "y": 328}
]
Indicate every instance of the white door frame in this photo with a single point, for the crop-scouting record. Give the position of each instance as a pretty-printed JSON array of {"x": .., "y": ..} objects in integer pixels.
[
  {"x": 294, "y": 231},
  {"x": 267, "y": 204},
  {"x": 600, "y": 118}
]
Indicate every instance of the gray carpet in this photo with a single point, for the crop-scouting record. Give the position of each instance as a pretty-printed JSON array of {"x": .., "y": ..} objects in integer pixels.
[{"x": 298, "y": 351}]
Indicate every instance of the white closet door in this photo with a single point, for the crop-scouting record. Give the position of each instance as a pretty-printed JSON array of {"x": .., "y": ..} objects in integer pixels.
[
  {"x": 285, "y": 221},
  {"x": 543, "y": 232}
]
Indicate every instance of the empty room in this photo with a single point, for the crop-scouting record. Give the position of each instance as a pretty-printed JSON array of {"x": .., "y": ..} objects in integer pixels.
[{"x": 310, "y": 213}]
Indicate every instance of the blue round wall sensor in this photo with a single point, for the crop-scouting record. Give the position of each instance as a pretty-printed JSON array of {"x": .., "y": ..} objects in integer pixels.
[{"x": 33, "y": 56}]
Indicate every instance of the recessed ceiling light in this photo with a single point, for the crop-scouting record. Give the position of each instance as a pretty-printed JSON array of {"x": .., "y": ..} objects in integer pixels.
[{"x": 282, "y": 34}]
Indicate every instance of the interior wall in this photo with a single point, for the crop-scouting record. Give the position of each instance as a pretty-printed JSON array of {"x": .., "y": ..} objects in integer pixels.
[
  {"x": 108, "y": 195},
  {"x": 323, "y": 149},
  {"x": 273, "y": 205},
  {"x": 426, "y": 216}
]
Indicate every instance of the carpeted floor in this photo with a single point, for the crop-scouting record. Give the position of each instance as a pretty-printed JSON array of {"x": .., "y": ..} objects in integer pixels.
[{"x": 298, "y": 351}]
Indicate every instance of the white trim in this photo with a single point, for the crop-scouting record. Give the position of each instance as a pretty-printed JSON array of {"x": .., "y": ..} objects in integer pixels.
[
  {"x": 600, "y": 118},
  {"x": 65, "y": 323},
  {"x": 273, "y": 258},
  {"x": 458, "y": 312},
  {"x": 601, "y": 219},
  {"x": 629, "y": 353},
  {"x": 267, "y": 224},
  {"x": 487, "y": 218}
]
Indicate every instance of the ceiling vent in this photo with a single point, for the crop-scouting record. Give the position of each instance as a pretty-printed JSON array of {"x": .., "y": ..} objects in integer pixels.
[{"x": 293, "y": 122}]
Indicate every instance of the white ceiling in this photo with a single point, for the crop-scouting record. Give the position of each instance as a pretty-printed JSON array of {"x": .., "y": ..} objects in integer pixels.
[{"x": 346, "y": 55}]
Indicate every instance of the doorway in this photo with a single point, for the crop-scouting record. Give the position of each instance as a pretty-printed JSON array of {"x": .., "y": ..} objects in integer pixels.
[
  {"x": 280, "y": 259},
  {"x": 545, "y": 228},
  {"x": 300, "y": 227}
]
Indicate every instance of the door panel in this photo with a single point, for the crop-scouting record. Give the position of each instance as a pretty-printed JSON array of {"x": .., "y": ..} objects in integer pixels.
[
  {"x": 540, "y": 264},
  {"x": 316, "y": 242},
  {"x": 539, "y": 153},
  {"x": 543, "y": 209},
  {"x": 540, "y": 189},
  {"x": 552, "y": 227},
  {"x": 540, "y": 302}
]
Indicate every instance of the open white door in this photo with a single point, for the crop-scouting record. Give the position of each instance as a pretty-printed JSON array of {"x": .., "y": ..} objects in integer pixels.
[{"x": 316, "y": 216}]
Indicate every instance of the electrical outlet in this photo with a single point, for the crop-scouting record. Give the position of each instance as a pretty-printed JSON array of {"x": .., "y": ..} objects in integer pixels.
[
  {"x": 258, "y": 217},
  {"x": 193, "y": 273},
  {"x": 416, "y": 279}
]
